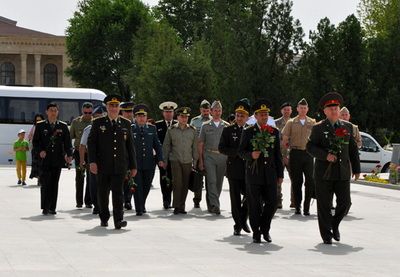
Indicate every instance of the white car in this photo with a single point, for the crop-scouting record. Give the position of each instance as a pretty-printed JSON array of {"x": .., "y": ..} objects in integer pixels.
[{"x": 372, "y": 154}]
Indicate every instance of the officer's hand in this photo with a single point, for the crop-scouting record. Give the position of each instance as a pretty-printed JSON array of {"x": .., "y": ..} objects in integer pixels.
[
  {"x": 68, "y": 159},
  {"x": 82, "y": 164},
  {"x": 161, "y": 164},
  {"x": 255, "y": 154},
  {"x": 331, "y": 158},
  {"x": 285, "y": 161},
  {"x": 43, "y": 154},
  {"x": 165, "y": 166},
  {"x": 93, "y": 168},
  {"x": 132, "y": 173},
  {"x": 280, "y": 181},
  {"x": 201, "y": 164},
  {"x": 356, "y": 176}
]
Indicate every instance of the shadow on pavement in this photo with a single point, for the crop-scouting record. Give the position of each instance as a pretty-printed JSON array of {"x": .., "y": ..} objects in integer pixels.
[{"x": 336, "y": 249}]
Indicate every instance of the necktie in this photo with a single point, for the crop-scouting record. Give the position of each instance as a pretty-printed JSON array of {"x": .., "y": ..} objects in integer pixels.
[
  {"x": 52, "y": 125},
  {"x": 168, "y": 124},
  {"x": 241, "y": 128},
  {"x": 336, "y": 125},
  {"x": 114, "y": 124}
]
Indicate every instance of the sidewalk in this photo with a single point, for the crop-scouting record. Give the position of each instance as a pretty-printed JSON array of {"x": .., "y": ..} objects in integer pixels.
[{"x": 197, "y": 244}]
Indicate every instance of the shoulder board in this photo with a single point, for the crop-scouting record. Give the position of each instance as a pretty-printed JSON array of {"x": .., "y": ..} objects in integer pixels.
[
  {"x": 171, "y": 127},
  {"x": 159, "y": 121},
  {"x": 223, "y": 121},
  {"x": 97, "y": 118},
  {"x": 124, "y": 119},
  {"x": 191, "y": 126},
  {"x": 196, "y": 117},
  {"x": 207, "y": 122},
  {"x": 319, "y": 122},
  {"x": 250, "y": 126},
  {"x": 63, "y": 122},
  {"x": 41, "y": 121}
]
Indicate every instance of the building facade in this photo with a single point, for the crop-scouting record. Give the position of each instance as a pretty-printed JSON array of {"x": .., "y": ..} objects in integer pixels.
[{"x": 29, "y": 57}]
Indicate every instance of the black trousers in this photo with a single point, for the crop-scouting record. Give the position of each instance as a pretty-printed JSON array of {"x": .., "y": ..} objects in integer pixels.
[
  {"x": 80, "y": 182},
  {"x": 143, "y": 180},
  {"x": 237, "y": 188},
  {"x": 261, "y": 201},
  {"x": 49, "y": 177},
  {"x": 113, "y": 183},
  {"x": 166, "y": 191},
  {"x": 326, "y": 220},
  {"x": 301, "y": 163}
]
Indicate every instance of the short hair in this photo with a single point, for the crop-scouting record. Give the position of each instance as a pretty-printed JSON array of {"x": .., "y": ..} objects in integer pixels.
[
  {"x": 51, "y": 104},
  {"x": 87, "y": 105}
]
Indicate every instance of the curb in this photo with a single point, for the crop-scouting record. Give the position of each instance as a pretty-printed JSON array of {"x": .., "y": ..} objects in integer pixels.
[{"x": 379, "y": 185}]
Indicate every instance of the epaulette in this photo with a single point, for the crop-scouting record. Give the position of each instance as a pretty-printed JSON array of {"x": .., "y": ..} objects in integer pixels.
[
  {"x": 41, "y": 121},
  {"x": 191, "y": 126},
  {"x": 123, "y": 118},
  {"x": 196, "y": 117},
  {"x": 226, "y": 122},
  {"x": 207, "y": 122},
  {"x": 171, "y": 127},
  {"x": 98, "y": 118},
  {"x": 159, "y": 121},
  {"x": 63, "y": 122},
  {"x": 250, "y": 126},
  {"x": 319, "y": 122}
]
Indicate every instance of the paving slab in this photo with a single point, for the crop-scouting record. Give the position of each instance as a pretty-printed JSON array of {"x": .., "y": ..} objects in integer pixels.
[{"x": 159, "y": 243}]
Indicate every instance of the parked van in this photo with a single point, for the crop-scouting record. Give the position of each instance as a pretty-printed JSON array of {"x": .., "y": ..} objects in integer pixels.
[
  {"x": 18, "y": 105},
  {"x": 372, "y": 154}
]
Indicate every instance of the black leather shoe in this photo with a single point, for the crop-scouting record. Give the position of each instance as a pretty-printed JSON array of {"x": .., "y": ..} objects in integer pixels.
[
  {"x": 246, "y": 228},
  {"x": 139, "y": 213},
  {"x": 182, "y": 212},
  {"x": 327, "y": 241},
  {"x": 176, "y": 211},
  {"x": 88, "y": 206},
  {"x": 95, "y": 211},
  {"x": 306, "y": 213},
  {"x": 336, "y": 234},
  {"x": 52, "y": 212},
  {"x": 120, "y": 224},
  {"x": 297, "y": 211},
  {"x": 128, "y": 206},
  {"x": 166, "y": 205},
  {"x": 256, "y": 238},
  {"x": 236, "y": 232},
  {"x": 104, "y": 224},
  {"x": 196, "y": 205},
  {"x": 267, "y": 237},
  {"x": 45, "y": 212}
]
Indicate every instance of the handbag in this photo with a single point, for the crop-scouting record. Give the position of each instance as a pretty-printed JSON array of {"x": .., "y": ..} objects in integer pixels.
[{"x": 195, "y": 180}]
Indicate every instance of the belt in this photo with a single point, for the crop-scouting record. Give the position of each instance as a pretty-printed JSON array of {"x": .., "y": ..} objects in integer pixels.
[
  {"x": 213, "y": 151},
  {"x": 298, "y": 147}
]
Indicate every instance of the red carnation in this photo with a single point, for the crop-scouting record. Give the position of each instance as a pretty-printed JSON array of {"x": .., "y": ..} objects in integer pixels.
[
  {"x": 133, "y": 190},
  {"x": 365, "y": 175},
  {"x": 126, "y": 179},
  {"x": 378, "y": 166}
]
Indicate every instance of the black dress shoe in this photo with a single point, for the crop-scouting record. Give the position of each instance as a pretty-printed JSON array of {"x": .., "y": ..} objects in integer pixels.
[
  {"x": 306, "y": 213},
  {"x": 176, "y": 211},
  {"x": 128, "y": 206},
  {"x": 95, "y": 211},
  {"x": 297, "y": 211},
  {"x": 166, "y": 205},
  {"x": 256, "y": 239},
  {"x": 139, "y": 213},
  {"x": 336, "y": 234},
  {"x": 196, "y": 205},
  {"x": 104, "y": 224},
  {"x": 236, "y": 232},
  {"x": 246, "y": 228},
  {"x": 120, "y": 224},
  {"x": 327, "y": 241},
  {"x": 182, "y": 212},
  {"x": 52, "y": 212},
  {"x": 267, "y": 237},
  {"x": 45, "y": 212},
  {"x": 89, "y": 206}
]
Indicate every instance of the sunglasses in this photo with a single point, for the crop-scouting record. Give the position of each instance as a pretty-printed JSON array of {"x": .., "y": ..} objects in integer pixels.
[{"x": 87, "y": 112}]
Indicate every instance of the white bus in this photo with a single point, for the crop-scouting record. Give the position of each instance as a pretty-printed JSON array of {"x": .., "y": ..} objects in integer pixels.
[{"x": 18, "y": 106}]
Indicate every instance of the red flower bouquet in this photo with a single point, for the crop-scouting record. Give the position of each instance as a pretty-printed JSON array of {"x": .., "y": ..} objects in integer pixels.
[{"x": 336, "y": 144}]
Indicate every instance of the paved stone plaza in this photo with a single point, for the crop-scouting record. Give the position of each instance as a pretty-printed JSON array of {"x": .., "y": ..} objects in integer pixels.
[{"x": 197, "y": 244}]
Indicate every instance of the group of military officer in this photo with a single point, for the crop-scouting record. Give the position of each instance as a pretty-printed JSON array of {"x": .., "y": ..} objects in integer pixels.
[{"x": 122, "y": 148}]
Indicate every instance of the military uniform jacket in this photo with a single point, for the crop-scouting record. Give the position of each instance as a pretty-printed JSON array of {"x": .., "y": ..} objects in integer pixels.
[
  {"x": 228, "y": 145},
  {"x": 56, "y": 142},
  {"x": 162, "y": 128},
  {"x": 270, "y": 168},
  {"x": 198, "y": 121},
  {"x": 318, "y": 145},
  {"x": 144, "y": 144},
  {"x": 112, "y": 150},
  {"x": 211, "y": 134},
  {"x": 181, "y": 144}
]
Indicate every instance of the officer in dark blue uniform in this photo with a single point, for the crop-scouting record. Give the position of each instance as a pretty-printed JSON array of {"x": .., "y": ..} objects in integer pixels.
[
  {"x": 52, "y": 141},
  {"x": 162, "y": 127},
  {"x": 262, "y": 179},
  {"x": 146, "y": 139},
  {"x": 236, "y": 166},
  {"x": 332, "y": 171},
  {"x": 111, "y": 155}
]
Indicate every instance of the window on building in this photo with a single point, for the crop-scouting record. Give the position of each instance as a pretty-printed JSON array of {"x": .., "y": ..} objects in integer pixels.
[
  {"x": 7, "y": 74},
  {"x": 50, "y": 75}
]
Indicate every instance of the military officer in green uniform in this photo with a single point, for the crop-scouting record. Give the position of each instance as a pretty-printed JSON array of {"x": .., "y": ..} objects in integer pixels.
[
  {"x": 53, "y": 143},
  {"x": 162, "y": 127},
  {"x": 146, "y": 139},
  {"x": 236, "y": 166},
  {"x": 262, "y": 179},
  {"x": 180, "y": 150},
  {"x": 197, "y": 122},
  {"x": 333, "y": 170},
  {"x": 295, "y": 136},
  {"x": 111, "y": 155}
]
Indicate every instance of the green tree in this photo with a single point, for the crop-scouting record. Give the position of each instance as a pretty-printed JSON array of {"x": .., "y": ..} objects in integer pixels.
[{"x": 99, "y": 43}]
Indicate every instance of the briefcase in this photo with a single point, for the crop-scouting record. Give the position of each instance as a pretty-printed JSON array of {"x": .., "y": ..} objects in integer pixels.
[{"x": 195, "y": 180}]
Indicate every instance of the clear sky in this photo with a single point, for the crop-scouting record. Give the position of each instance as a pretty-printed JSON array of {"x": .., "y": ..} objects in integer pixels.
[{"x": 51, "y": 16}]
